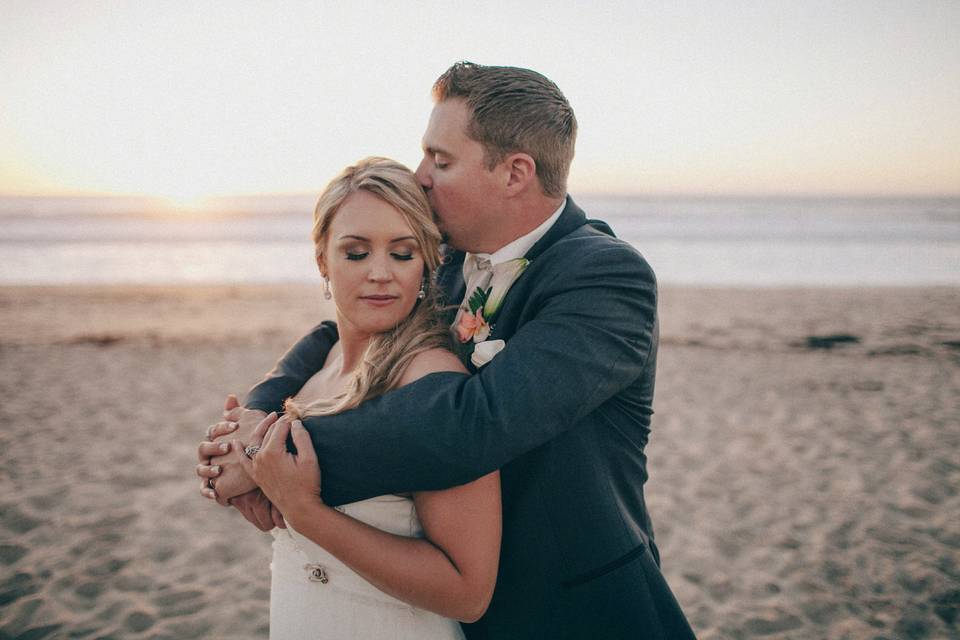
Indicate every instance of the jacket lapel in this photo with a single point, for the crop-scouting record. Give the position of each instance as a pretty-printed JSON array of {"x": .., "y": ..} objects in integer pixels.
[
  {"x": 571, "y": 218},
  {"x": 450, "y": 279}
]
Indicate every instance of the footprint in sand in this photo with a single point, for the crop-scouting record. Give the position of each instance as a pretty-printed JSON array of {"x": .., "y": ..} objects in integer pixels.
[
  {"x": 134, "y": 584},
  {"x": 17, "y": 586},
  {"x": 179, "y": 603},
  {"x": 48, "y": 501},
  {"x": 109, "y": 567},
  {"x": 11, "y": 553},
  {"x": 17, "y": 521},
  {"x": 777, "y": 622},
  {"x": 89, "y": 590},
  {"x": 139, "y": 621}
]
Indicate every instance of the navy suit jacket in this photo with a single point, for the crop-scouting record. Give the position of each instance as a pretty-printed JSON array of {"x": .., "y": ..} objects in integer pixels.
[{"x": 563, "y": 411}]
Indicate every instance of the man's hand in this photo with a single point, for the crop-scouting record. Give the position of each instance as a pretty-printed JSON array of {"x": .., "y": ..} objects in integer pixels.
[
  {"x": 246, "y": 420},
  {"x": 257, "y": 509},
  {"x": 221, "y": 476},
  {"x": 231, "y": 482},
  {"x": 221, "y": 482}
]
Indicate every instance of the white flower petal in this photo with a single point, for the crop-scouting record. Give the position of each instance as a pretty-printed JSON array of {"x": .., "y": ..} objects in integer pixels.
[
  {"x": 504, "y": 275},
  {"x": 484, "y": 352},
  {"x": 483, "y": 332}
]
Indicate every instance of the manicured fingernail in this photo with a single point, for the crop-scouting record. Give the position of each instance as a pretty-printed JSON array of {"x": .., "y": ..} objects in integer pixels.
[
  {"x": 225, "y": 447},
  {"x": 215, "y": 468}
]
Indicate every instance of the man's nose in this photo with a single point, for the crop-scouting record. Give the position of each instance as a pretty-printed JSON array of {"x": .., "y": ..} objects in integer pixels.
[{"x": 423, "y": 174}]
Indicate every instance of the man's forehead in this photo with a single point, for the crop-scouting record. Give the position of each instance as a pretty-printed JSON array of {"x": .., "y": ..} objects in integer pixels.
[{"x": 447, "y": 124}]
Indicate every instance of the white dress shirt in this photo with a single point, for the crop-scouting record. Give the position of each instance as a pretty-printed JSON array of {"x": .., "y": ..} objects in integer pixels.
[{"x": 513, "y": 250}]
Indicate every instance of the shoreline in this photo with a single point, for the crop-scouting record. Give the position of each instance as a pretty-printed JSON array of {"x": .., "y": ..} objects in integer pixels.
[{"x": 873, "y": 320}]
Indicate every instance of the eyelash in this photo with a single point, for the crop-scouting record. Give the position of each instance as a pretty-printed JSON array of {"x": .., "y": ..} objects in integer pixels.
[{"x": 361, "y": 256}]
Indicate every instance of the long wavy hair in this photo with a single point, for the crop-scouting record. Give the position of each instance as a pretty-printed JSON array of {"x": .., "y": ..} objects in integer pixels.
[{"x": 388, "y": 354}]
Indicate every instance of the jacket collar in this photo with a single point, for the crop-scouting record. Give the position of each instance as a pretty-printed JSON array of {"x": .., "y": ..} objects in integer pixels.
[
  {"x": 450, "y": 278},
  {"x": 571, "y": 219}
]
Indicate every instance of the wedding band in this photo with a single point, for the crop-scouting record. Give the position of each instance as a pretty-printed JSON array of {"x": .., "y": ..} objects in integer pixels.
[
  {"x": 210, "y": 482},
  {"x": 251, "y": 450}
]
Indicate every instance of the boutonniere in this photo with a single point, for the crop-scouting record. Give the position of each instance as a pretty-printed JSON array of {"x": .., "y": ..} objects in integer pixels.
[
  {"x": 482, "y": 305},
  {"x": 483, "y": 352}
]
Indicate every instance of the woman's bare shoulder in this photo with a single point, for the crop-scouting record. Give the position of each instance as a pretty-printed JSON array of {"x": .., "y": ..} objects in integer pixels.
[{"x": 431, "y": 361}]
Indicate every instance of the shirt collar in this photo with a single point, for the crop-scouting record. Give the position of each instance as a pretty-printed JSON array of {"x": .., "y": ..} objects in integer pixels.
[{"x": 519, "y": 247}]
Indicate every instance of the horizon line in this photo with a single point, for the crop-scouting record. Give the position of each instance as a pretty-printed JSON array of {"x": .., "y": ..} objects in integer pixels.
[{"x": 587, "y": 193}]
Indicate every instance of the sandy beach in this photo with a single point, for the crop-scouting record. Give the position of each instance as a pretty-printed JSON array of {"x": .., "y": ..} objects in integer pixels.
[{"x": 804, "y": 467}]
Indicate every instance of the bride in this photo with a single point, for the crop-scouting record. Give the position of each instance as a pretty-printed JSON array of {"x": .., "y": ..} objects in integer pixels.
[{"x": 392, "y": 566}]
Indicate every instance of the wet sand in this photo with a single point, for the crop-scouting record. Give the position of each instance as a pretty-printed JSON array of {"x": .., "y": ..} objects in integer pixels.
[{"x": 804, "y": 469}]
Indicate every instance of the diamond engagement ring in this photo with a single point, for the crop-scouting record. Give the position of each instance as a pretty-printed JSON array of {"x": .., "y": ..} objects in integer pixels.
[{"x": 251, "y": 450}]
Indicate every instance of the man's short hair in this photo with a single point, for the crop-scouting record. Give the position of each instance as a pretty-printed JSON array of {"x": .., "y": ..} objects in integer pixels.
[{"x": 515, "y": 109}]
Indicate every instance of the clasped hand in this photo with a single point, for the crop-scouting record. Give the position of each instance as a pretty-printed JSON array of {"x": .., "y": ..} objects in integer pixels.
[
  {"x": 261, "y": 489},
  {"x": 219, "y": 460},
  {"x": 291, "y": 481}
]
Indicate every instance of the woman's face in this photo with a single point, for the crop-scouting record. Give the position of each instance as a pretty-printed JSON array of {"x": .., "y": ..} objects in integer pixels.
[{"x": 374, "y": 264}]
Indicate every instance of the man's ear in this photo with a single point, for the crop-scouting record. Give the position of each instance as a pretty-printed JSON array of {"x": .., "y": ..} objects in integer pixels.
[{"x": 522, "y": 172}]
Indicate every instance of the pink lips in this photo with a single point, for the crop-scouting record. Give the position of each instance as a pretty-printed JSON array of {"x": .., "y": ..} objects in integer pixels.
[{"x": 379, "y": 300}]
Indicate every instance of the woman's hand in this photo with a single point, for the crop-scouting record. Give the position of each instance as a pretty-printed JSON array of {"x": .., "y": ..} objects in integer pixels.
[{"x": 290, "y": 481}]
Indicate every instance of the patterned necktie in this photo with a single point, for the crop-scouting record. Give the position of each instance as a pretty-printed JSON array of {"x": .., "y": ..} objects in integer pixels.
[{"x": 478, "y": 272}]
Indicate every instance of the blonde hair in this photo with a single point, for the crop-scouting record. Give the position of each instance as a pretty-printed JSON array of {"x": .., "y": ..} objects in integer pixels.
[
  {"x": 515, "y": 109},
  {"x": 388, "y": 354}
]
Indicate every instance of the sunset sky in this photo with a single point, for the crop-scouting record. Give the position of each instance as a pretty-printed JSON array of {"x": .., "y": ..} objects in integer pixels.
[{"x": 186, "y": 100}]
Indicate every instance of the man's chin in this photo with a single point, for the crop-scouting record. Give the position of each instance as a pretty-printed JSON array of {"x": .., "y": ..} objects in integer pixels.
[
  {"x": 450, "y": 242},
  {"x": 444, "y": 236}
]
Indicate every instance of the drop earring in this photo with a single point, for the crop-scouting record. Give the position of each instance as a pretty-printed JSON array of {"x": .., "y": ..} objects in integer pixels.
[
  {"x": 423, "y": 290},
  {"x": 326, "y": 289}
]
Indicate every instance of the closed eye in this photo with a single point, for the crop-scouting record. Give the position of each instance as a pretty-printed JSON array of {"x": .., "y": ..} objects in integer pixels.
[
  {"x": 402, "y": 256},
  {"x": 357, "y": 256}
]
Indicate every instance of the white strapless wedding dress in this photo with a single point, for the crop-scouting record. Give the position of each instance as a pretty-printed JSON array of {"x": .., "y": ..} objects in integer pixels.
[{"x": 313, "y": 595}]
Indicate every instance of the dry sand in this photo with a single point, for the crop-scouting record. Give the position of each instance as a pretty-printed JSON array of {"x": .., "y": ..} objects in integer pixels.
[{"x": 798, "y": 491}]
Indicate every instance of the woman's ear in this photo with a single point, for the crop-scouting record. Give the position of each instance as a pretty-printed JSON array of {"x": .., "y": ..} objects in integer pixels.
[{"x": 322, "y": 265}]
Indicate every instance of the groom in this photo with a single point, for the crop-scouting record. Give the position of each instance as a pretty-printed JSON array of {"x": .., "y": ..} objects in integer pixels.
[{"x": 563, "y": 409}]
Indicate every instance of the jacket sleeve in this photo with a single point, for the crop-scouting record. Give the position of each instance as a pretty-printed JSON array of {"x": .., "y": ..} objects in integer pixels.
[
  {"x": 593, "y": 333},
  {"x": 292, "y": 371}
]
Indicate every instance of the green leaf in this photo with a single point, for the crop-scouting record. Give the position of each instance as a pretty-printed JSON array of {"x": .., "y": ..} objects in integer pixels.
[{"x": 478, "y": 299}]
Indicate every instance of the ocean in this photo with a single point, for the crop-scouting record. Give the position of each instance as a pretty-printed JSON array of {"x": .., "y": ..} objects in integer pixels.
[{"x": 706, "y": 241}]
